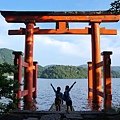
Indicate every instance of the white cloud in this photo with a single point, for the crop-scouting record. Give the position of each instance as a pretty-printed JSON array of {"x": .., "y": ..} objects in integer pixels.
[
  {"x": 112, "y": 43},
  {"x": 63, "y": 51},
  {"x": 65, "y": 47},
  {"x": 15, "y": 42}
]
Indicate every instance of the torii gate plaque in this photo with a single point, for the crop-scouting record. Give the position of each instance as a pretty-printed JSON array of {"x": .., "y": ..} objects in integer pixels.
[{"x": 61, "y": 19}]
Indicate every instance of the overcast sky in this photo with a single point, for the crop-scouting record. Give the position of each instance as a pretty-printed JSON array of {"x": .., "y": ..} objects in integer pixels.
[{"x": 59, "y": 49}]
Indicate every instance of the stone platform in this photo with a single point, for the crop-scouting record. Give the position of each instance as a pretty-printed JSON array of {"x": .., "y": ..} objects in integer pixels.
[
  {"x": 63, "y": 108},
  {"x": 55, "y": 115}
]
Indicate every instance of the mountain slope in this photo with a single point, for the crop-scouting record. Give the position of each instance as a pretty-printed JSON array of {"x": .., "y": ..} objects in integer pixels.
[
  {"x": 56, "y": 71},
  {"x": 116, "y": 68},
  {"x": 6, "y": 55}
]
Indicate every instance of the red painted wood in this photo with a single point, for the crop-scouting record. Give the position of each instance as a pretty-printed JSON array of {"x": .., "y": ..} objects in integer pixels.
[
  {"x": 90, "y": 94},
  {"x": 96, "y": 72},
  {"x": 29, "y": 39},
  {"x": 35, "y": 76},
  {"x": 107, "y": 79}
]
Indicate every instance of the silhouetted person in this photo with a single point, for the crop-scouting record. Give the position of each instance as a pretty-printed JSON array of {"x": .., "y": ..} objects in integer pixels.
[
  {"x": 67, "y": 96},
  {"x": 58, "y": 98}
]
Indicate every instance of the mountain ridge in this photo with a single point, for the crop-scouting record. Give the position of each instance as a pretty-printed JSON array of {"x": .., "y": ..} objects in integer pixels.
[{"x": 7, "y": 56}]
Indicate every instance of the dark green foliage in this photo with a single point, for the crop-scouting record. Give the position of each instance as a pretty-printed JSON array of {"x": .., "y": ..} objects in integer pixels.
[
  {"x": 61, "y": 71},
  {"x": 65, "y": 72},
  {"x": 40, "y": 69},
  {"x": 115, "y": 7},
  {"x": 8, "y": 87}
]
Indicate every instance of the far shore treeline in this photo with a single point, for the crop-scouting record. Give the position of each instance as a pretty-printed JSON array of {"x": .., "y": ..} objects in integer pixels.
[{"x": 57, "y": 71}]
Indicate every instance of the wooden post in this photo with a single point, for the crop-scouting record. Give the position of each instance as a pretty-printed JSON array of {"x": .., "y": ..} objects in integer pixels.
[
  {"x": 96, "y": 72},
  {"x": 35, "y": 75},
  {"x": 18, "y": 75},
  {"x": 89, "y": 81},
  {"x": 29, "y": 59},
  {"x": 107, "y": 79}
]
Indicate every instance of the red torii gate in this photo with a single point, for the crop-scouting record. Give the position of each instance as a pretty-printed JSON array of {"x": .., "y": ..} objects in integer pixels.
[{"x": 94, "y": 18}]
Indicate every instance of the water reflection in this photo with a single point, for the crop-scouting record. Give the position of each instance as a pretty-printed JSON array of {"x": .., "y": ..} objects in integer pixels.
[
  {"x": 79, "y": 94},
  {"x": 33, "y": 105},
  {"x": 30, "y": 105},
  {"x": 94, "y": 106}
]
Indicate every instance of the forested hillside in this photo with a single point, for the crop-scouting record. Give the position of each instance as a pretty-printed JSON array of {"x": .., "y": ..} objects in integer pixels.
[
  {"x": 7, "y": 56},
  {"x": 61, "y": 71},
  {"x": 77, "y": 72},
  {"x": 56, "y": 71}
]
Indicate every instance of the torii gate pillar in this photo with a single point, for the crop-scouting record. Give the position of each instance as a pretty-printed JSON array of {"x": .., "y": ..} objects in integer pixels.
[
  {"x": 96, "y": 72},
  {"x": 28, "y": 76}
]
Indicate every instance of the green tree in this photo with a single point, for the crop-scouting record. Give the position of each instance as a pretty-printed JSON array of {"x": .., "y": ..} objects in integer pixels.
[
  {"x": 8, "y": 88},
  {"x": 115, "y": 7}
]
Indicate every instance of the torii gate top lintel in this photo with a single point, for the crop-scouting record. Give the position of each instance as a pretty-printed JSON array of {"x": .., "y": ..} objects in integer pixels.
[{"x": 65, "y": 16}]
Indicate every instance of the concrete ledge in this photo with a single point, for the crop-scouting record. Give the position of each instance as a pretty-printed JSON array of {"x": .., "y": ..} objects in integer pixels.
[{"x": 56, "y": 115}]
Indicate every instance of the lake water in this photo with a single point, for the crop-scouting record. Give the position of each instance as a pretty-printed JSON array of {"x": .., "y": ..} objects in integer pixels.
[{"x": 79, "y": 93}]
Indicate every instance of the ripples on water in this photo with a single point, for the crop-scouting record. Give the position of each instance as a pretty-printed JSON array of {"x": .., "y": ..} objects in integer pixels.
[
  {"x": 116, "y": 92},
  {"x": 78, "y": 93}
]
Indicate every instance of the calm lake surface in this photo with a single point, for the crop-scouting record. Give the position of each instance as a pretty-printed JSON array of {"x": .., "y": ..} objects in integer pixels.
[{"x": 79, "y": 93}]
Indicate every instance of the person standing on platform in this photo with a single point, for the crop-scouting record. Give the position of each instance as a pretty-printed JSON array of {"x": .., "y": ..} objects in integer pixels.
[
  {"x": 67, "y": 97},
  {"x": 58, "y": 99}
]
